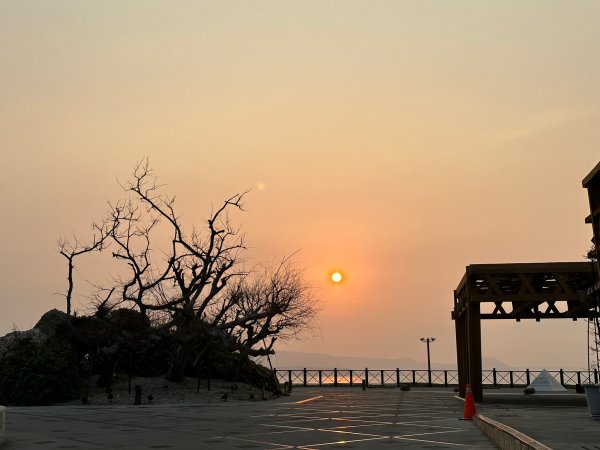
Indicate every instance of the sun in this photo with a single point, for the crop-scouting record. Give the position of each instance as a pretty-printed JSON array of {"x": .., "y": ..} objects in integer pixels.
[{"x": 336, "y": 277}]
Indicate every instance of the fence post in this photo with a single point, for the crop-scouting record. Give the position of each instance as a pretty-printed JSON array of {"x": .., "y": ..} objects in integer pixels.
[
  {"x": 562, "y": 377},
  {"x": 290, "y": 378},
  {"x": 366, "y": 376},
  {"x": 305, "y": 376},
  {"x": 579, "y": 378},
  {"x": 596, "y": 376},
  {"x": 414, "y": 378},
  {"x": 382, "y": 382},
  {"x": 445, "y": 378},
  {"x": 527, "y": 376},
  {"x": 494, "y": 377},
  {"x": 511, "y": 378},
  {"x": 275, "y": 376},
  {"x": 351, "y": 380},
  {"x": 397, "y": 377},
  {"x": 335, "y": 377},
  {"x": 320, "y": 378}
]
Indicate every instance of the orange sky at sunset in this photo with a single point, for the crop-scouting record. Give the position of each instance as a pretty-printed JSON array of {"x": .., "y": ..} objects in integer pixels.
[{"x": 393, "y": 141}]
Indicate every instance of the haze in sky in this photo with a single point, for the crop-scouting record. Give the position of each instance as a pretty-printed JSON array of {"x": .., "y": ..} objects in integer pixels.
[{"x": 393, "y": 141}]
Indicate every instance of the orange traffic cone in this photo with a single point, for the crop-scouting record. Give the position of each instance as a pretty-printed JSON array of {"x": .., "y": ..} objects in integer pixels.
[{"x": 469, "y": 404}]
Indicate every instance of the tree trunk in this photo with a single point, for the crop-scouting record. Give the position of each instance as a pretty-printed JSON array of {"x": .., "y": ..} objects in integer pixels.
[{"x": 177, "y": 369}]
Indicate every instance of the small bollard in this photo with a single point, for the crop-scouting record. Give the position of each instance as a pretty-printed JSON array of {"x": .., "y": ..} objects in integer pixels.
[
  {"x": 364, "y": 385},
  {"x": 138, "y": 394},
  {"x": 2, "y": 423}
]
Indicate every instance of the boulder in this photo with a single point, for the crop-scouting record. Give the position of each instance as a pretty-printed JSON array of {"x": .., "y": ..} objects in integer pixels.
[{"x": 53, "y": 323}]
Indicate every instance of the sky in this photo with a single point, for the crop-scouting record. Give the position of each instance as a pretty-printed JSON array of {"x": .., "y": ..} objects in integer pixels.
[{"x": 395, "y": 141}]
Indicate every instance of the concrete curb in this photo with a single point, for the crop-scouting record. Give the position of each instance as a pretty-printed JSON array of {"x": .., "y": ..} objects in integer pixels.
[
  {"x": 2, "y": 423},
  {"x": 505, "y": 437}
]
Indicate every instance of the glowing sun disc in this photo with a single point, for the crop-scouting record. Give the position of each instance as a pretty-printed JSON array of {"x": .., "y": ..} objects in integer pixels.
[{"x": 336, "y": 277}]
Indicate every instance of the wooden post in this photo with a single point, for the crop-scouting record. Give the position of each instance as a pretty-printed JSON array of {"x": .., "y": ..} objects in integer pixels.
[
  {"x": 138, "y": 394},
  {"x": 351, "y": 378},
  {"x": 460, "y": 325},
  {"x": 320, "y": 378},
  {"x": 474, "y": 349},
  {"x": 397, "y": 377},
  {"x": 208, "y": 381},
  {"x": 366, "y": 376},
  {"x": 335, "y": 377},
  {"x": 305, "y": 376}
]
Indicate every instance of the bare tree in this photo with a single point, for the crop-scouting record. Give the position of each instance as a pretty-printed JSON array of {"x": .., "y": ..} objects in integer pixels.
[
  {"x": 273, "y": 303},
  {"x": 73, "y": 248},
  {"x": 195, "y": 284}
]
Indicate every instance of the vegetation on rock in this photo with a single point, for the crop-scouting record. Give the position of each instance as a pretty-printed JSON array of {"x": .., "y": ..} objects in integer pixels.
[{"x": 187, "y": 308}]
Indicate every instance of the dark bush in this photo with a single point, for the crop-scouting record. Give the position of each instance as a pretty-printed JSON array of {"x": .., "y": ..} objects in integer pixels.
[
  {"x": 38, "y": 373},
  {"x": 222, "y": 363}
]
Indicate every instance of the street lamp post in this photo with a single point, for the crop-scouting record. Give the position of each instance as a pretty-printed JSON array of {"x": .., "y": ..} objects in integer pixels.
[{"x": 428, "y": 340}]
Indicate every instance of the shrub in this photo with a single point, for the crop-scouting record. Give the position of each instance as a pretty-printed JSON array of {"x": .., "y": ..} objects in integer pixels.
[{"x": 38, "y": 373}]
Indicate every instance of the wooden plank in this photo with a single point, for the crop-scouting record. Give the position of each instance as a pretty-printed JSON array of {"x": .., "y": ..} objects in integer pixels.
[
  {"x": 520, "y": 298},
  {"x": 516, "y": 268},
  {"x": 583, "y": 314},
  {"x": 590, "y": 176}
]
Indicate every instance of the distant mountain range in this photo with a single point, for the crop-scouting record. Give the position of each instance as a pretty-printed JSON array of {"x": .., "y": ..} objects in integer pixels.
[{"x": 299, "y": 360}]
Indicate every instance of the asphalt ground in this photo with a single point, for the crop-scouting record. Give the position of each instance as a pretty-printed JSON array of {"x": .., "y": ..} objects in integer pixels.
[
  {"x": 559, "y": 421},
  {"x": 310, "y": 418}
]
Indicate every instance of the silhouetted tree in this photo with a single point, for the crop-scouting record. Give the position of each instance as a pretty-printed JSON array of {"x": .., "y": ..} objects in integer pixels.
[
  {"x": 194, "y": 283},
  {"x": 74, "y": 248}
]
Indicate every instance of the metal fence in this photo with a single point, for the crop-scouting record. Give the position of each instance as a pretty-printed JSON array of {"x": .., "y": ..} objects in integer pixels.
[{"x": 420, "y": 377}]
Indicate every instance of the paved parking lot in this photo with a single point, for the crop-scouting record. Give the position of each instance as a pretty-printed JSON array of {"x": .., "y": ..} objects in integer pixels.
[
  {"x": 560, "y": 421},
  {"x": 309, "y": 419}
]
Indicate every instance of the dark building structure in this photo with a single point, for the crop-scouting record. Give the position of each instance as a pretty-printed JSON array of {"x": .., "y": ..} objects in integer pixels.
[{"x": 534, "y": 291}]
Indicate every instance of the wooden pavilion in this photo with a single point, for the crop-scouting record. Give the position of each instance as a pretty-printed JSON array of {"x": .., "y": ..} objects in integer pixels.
[{"x": 550, "y": 290}]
